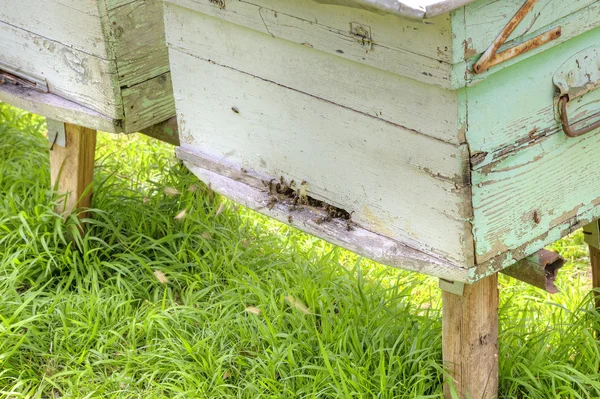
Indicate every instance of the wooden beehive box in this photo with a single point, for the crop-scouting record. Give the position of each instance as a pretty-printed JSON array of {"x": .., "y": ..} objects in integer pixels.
[
  {"x": 436, "y": 128},
  {"x": 102, "y": 64}
]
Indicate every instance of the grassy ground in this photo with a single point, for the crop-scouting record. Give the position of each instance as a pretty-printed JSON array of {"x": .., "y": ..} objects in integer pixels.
[{"x": 218, "y": 301}]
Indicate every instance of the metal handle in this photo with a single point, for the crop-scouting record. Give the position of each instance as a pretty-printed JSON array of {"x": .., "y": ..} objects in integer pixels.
[{"x": 564, "y": 118}]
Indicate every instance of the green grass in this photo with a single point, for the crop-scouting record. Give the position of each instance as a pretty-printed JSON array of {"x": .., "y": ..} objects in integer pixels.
[{"x": 86, "y": 316}]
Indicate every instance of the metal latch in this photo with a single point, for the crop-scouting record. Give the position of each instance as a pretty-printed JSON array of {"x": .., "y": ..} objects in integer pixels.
[
  {"x": 591, "y": 234},
  {"x": 453, "y": 287},
  {"x": 15, "y": 76},
  {"x": 578, "y": 76},
  {"x": 56, "y": 133}
]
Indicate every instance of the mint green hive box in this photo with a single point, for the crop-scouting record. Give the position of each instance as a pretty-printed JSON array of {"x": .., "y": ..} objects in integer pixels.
[{"x": 453, "y": 138}]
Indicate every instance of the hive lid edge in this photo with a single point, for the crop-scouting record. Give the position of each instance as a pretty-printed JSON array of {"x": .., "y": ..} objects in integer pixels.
[{"x": 415, "y": 9}]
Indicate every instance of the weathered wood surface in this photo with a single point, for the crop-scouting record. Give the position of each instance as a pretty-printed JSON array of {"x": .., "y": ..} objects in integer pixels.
[
  {"x": 484, "y": 20},
  {"x": 73, "y": 23},
  {"x": 408, "y": 48},
  {"x": 112, "y": 4},
  {"x": 470, "y": 340},
  {"x": 519, "y": 118},
  {"x": 107, "y": 56},
  {"x": 531, "y": 183},
  {"x": 361, "y": 88},
  {"x": 148, "y": 103},
  {"x": 288, "y": 87},
  {"x": 72, "y": 168},
  {"x": 359, "y": 240},
  {"x": 595, "y": 262},
  {"x": 57, "y": 107},
  {"x": 380, "y": 176},
  {"x": 165, "y": 131},
  {"x": 72, "y": 74},
  {"x": 138, "y": 41}
]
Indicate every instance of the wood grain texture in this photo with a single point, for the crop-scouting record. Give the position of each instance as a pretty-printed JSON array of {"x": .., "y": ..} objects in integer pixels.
[
  {"x": 70, "y": 73},
  {"x": 354, "y": 161},
  {"x": 148, "y": 103},
  {"x": 413, "y": 49},
  {"x": 73, "y": 23},
  {"x": 470, "y": 340},
  {"x": 137, "y": 36},
  {"x": 57, "y": 108},
  {"x": 485, "y": 19},
  {"x": 165, "y": 131},
  {"x": 475, "y": 27},
  {"x": 72, "y": 168},
  {"x": 595, "y": 263},
  {"x": 107, "y": 56},
  {"x": 112, "y": 4},
  {"x": 523, "y": 163},
  {"x": 361, "y": 88},
  {"x": 504, "y": 117},
  {"x": 232, "y": 184}
]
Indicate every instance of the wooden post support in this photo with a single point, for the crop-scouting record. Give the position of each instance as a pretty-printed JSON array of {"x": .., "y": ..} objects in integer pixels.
[
  {"x": 470, "y": 339},
  {"x": 72, "y": 166},
  {"x": 595, "y": 261},
  {"x": 591, "y": 234}
]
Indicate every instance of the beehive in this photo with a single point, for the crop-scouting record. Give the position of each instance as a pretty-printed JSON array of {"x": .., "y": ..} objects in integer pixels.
[
  {"x": 433, "y": 131},
  {"x": 102, "y": 64}
]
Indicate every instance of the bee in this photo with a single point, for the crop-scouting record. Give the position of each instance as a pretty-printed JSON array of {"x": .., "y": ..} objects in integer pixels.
[
  {"x": 272, "y": 201},
  {"x": 270, "y": 185}
]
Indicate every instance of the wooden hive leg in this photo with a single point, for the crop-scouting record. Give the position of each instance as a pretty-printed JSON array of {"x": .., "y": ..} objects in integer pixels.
[
  {"x": 591, "y": 233},
  {"x": 595, "y": 261},
  {"x": 470, "y": 339},
  {"x": 72, "y": 167}
]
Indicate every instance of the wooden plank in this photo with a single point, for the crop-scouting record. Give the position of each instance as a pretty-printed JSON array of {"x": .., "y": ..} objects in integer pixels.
[
  {"x": 55, "y": 107},
  {"x": 504, "y": 117},
  {"x": 393, "y": 98},
  {"x": 359, "y": 240},
  {"x": 136, "y": 32},
  {"x": 575, "y": 18},
  {"x": 72, "y": 168},
  {"x": 427, "y": 38},
  {"x": 390, "y": 43},
  {"x": 528, "y": 185},
  {"x": 595, "y": 263},
  {"x": 72, "y": 74},
  {"x": 165, "y": 131},
  {"x": 73, "y": 23},
  {"x": 484, "y": 20},
  {"x": 470, "y": 340},
  {"x": 148, "y": 103},
  {"x": 535, "y": 195},
  {"x": 354, "y": 161},
  {"x": 112, "y": 4}
]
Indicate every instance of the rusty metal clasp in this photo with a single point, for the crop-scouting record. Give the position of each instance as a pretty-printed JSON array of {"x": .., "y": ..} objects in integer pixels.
[
  {"x": 564, "y": 119},
  {"x": 491, "y": 56},
  {"x": 578, "y": 76}
]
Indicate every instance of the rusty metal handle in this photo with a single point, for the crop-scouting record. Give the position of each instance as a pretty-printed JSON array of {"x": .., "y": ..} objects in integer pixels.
[{"x": 564, "y": 118}]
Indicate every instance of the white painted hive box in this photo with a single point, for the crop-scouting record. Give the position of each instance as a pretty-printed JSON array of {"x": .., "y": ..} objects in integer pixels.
[
  {"x": 448, "y": 153},
  {"x": 102, "y": 63}
]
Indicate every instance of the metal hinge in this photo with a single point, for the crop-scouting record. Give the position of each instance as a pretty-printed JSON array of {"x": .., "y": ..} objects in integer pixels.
[
  {"x": 453, "y": 287},
  {"x": 15, "y": 76},
  {"x": 591, "y": 234},
  {"x": 56, "y": 133}
]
